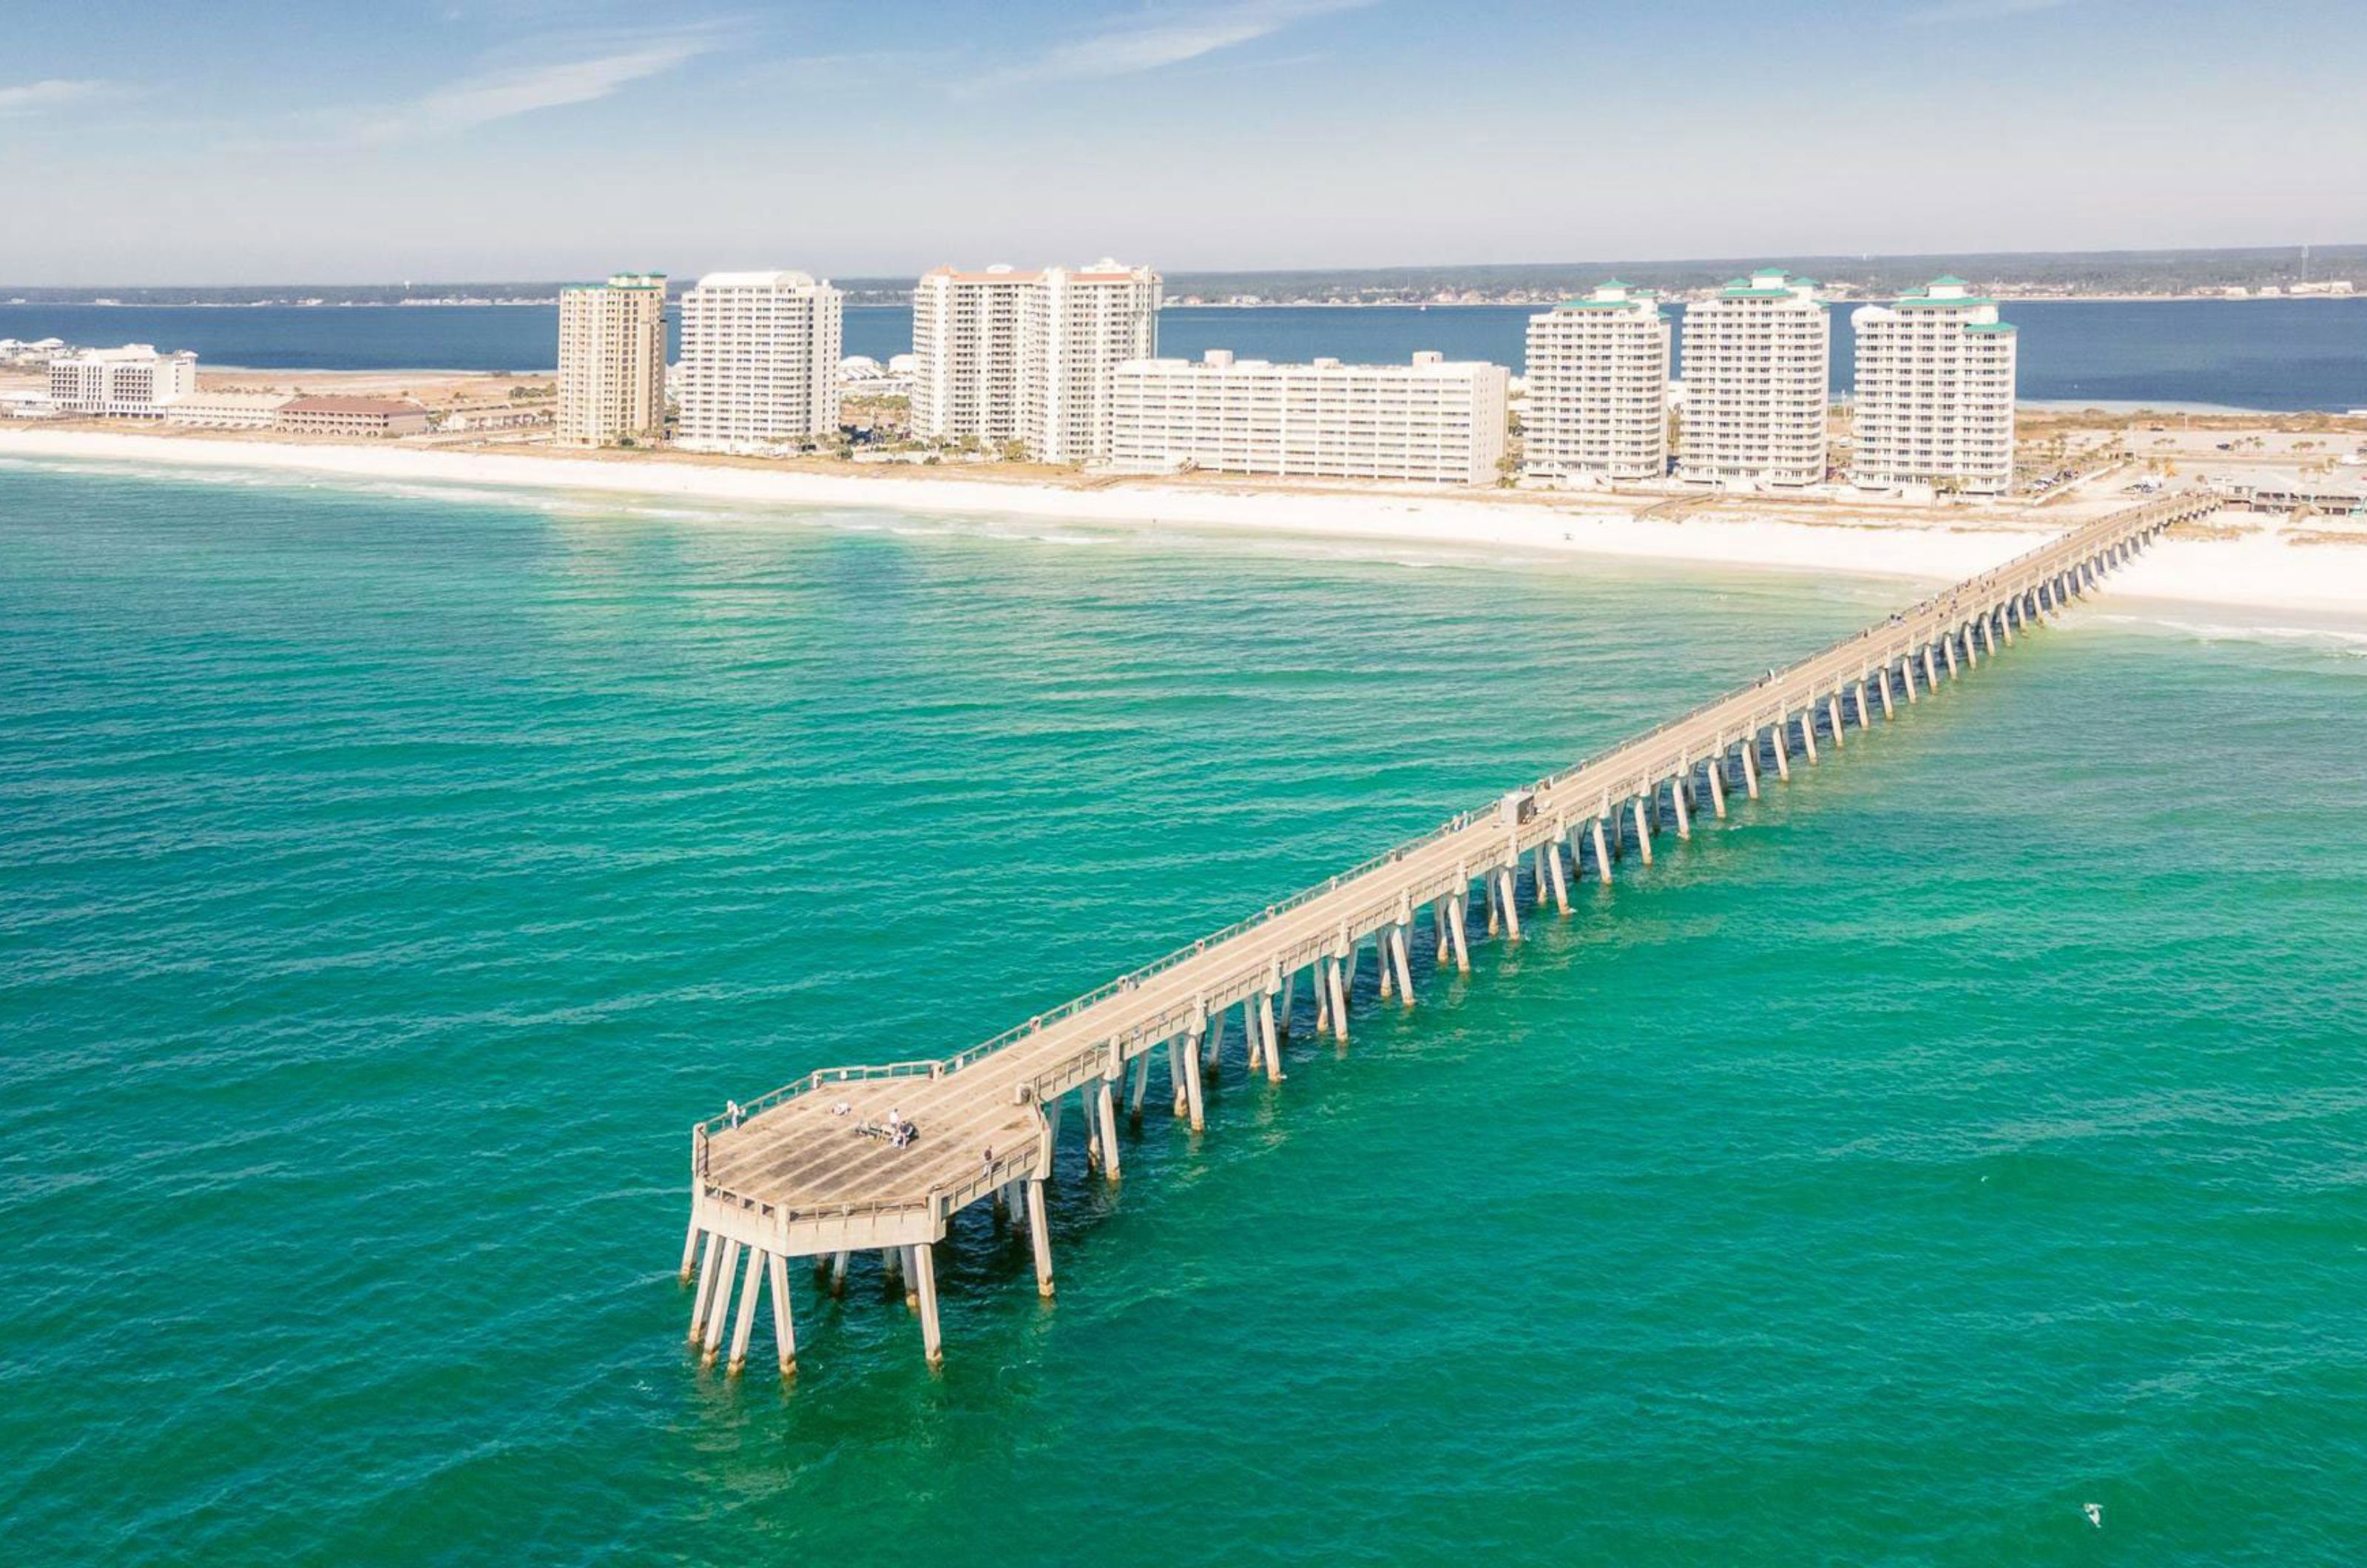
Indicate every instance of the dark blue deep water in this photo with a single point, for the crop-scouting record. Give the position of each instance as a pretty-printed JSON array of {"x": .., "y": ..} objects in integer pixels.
[{"x": 2259, "y": 354}]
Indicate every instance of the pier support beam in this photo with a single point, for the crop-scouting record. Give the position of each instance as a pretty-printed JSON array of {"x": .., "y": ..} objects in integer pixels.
[
  {"x": 1864, "y": 720},
  {"x": 1809, "y": 732},
  {"x": 1105, "y": 1119},
  {"x": 1289, "y": 1001},
  {"x": 1141, "y": 1087},
  {"x": 704, "y": 1294},
  {"x": 726, "y": 1267},
  {"x": 1511, "y": 903},
  {"x": 1039, "y": 1235},
  {"x": 1457, "y": 925},
  {"x": 784, "y": 1326},
  {"x": 1404, "y": 964},
  {"x": 838, "y": 1274},
  {"x": 1718, "y": 786},
  {"x": 1192, "y": 1106},
  {"x": 1643, "y": 832},
  {"x": 1677, "y": 804},
  {"x": 1948, "y": 646},
  {"x": 1833, "y": 713},
  {"x": 1270, "y": 1036},
  {"x": 1339, "y": 988},
  {"x": 1907, "y": 673},
  {"x": 1750, "y": 767},
  {"x": 924, "y": 1270},
  {"x": 744, "y": 1327},
  {"x": 1602, "y": 852},
  {"x": 690, "y": 1252},
  {"x": 1561, "y": 884}
]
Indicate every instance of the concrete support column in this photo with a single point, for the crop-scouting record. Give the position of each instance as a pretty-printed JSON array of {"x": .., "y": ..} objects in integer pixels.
[
  {"x": 1322, "y": 974},
  {"x": 784, "y": 1327},
  {"x": 1438, "y": 911},
  {"x": 1601, "y": 854},
  {"x": 1809, "y": 732},
  {"x": 1404, "y": 964},
  {"x": 1272, "y": 1039},
  {"x": 1907, "y": 673},
  {"x": 744, "y": 1327},
  {"x": 1561, "y": 884},
  {"x": 912, "y": 1277},
  {"x": 1192, "y": 1097},
  {"x": 924, "y": 1270},
  {"x": 1495, "y": 904},
  {"x": 1105, "y": 1118},
  {"x": 1183, "y": 1056},
  {"x": 1216, "y": 1046},
  {"x": 705, "y": 1292},
  {"x": 690, "y": 1251},
  {"x": 713, "y": 1341},
  {"x": 892, "y": 1265},
  {"x": 1781, "y": 736},
  {"x": 1039, "y": 1234},
  {"x": 1512, "y": 905},
  {"x": 1948, "y": 646},
  {"x": 1456, "y": 927},
  {"x": 1750, "y": 767},
  {"x": 1718, "y": 786},
  {"x": 1643, "y": 833},
  {"x": 1833, "y": 713},
  {"x": 1141, "y": 1087},
  {"x": 1677, "y": 804},
  {"x": 1289, "y": 997},
  {"x": 1931, "y": 671},
  {"x": 1888, "y": 711},
  {"x": 1863, "y": 722},
  {"x": 1339, "y": 1004},
  {"x": 838, "y": 1274}
]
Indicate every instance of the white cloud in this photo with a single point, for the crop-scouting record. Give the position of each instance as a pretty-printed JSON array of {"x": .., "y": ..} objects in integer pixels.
[
  {"x": 1980, "y": 10},
  {"x": 33, "y": 97},
  {"x": 505, "y": 93},
  {"x": 1160, "y": 39}
]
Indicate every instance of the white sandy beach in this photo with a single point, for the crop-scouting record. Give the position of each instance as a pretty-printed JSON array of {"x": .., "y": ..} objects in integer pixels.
[{"x": 2264, "y": 569}]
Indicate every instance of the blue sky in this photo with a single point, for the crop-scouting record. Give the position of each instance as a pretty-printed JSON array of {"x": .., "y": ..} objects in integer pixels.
[{"x": 243, "y": 141}]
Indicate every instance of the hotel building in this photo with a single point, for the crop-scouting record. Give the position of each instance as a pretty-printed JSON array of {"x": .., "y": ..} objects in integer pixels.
[
  {"x": 760, "y": 355},
  {"x": 1758, "y": 358},
  {"x": 133, "y": 381},
  {"x": 1428, "y": 419},
  {"x": 1005, "y": 356},
  {"x": 1598, "y": 381},
  {"x": 1934, "y": 402},
  {"x": 612, "y": 362}
]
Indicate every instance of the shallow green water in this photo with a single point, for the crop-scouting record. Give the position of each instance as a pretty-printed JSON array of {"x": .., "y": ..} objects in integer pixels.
[{"x": 1972, "y": 1131}]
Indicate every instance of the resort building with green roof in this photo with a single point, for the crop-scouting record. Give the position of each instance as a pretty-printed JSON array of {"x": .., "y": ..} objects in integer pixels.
[
  {"x": 1758, "y": 358},
  {"x": 1935, "y": 389},
  {"x": 1598, "y": 388}
]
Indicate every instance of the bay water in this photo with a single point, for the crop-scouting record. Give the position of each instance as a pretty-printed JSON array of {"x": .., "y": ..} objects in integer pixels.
[{"x": 1970, "y": 1131}]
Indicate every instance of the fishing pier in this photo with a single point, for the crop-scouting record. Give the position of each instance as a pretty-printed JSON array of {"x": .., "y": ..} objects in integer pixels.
[{"x": 814, "y": 1170}]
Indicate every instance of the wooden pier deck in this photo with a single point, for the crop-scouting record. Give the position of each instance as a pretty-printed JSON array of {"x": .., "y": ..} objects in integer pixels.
[{"x": 806, "y": 1171}]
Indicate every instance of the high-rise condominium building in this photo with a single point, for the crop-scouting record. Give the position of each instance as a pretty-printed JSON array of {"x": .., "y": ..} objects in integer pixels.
[
  {"x": 1427, "y": 420},
  {"x": 1758, "y": 358},
  {"x": 133, "y": 381},
  {"x": 612, "y": 362},
  {"x": 1934, "y": 402},
  {"x": 1598, "y": 377},
  {"x": 1025, "y": 357},
  {"x": 760, "y": 355}
]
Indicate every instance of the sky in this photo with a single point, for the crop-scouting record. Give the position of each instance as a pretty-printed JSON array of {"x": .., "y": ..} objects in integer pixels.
[{"x": 246, "y": 142}]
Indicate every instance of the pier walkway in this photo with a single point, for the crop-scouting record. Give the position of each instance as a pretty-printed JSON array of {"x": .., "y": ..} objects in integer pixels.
[{"x": 811, "y": 1170}]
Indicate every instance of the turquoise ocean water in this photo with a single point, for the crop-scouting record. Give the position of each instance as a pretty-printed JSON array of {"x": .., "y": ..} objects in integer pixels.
[{"x": 1971, "y": 1131}]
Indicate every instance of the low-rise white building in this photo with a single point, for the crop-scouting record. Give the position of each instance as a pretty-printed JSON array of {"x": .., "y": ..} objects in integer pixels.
[
  {"x": 130, "y": 382},
  {"x": 225, "y": 411},
  {"x": 1934, "y": 400},
  {"x": 1758, "y": 368},
  {"x": 1598, "y": 388},
  {"x": 1429, "y": 420},
  {"x": 760, "y": 355}
]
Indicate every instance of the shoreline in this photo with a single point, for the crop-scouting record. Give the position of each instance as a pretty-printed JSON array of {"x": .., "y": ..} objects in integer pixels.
[{"x": 2314, "y": 569}]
